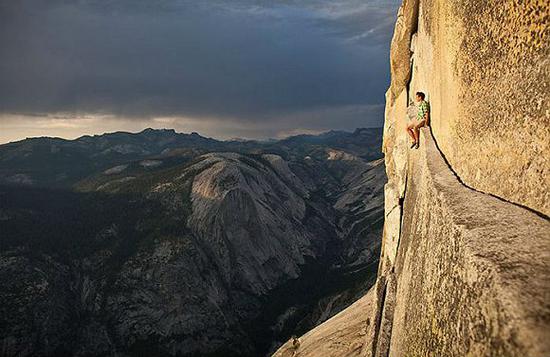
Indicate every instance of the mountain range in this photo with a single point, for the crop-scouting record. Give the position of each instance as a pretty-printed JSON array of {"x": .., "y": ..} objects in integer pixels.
[{"x": 161, "y": 243}]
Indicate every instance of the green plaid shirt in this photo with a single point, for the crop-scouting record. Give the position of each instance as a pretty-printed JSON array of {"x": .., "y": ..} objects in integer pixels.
[{"x": 423, "y": 108}]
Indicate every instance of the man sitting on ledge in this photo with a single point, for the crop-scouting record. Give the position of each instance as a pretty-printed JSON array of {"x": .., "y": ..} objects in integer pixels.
[{"x": 422, "y": 119}]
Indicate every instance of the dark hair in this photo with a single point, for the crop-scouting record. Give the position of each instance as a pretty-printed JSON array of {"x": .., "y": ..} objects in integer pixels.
[{"x": 421, "y": 95}]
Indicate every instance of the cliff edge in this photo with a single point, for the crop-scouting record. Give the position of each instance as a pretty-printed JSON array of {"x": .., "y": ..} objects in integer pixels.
[{"x": 465, "y": 262}]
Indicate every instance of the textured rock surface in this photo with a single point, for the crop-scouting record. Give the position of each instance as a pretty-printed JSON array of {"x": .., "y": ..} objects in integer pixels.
[
  {"x": 464, "y": 273},
  {"x": 469, "y": 283},
  {"x": 485, "y": 66}
]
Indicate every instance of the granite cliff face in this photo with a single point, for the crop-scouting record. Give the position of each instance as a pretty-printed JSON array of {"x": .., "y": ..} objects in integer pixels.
[{"x": 465, "y": 263}]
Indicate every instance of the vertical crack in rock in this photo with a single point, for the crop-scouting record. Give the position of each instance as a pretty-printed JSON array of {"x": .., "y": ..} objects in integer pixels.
[
  {"x": 369, "y": 349},
  {"x": 386, "y": 318}
]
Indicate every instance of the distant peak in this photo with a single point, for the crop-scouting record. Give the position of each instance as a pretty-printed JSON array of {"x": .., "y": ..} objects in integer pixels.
[{"x": 151, "y": 130}]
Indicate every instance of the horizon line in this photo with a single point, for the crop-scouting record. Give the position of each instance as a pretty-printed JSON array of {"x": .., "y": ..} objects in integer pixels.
[{"x": 187, "y": 133}]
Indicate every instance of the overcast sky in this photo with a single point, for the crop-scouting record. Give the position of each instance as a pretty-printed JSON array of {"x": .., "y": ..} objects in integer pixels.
[{"x": 233, "y": 68}]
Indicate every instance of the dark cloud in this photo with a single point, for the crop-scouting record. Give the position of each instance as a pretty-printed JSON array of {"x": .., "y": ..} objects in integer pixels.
[{"x": 241, "y": 61}]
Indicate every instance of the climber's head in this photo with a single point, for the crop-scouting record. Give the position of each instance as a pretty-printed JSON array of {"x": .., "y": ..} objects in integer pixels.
[{"x": 420, "y": 96}]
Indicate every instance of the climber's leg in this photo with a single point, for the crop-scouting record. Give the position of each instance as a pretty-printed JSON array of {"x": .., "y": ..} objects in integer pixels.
[
  {"x": 416, "y": 131},
  {"x": 410, "y": 131}
]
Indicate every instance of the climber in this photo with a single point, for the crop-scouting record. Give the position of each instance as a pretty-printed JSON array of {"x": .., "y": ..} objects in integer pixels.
[
  {"x": 295, "y": 345},
  {"x": 422, "y": 119}
]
